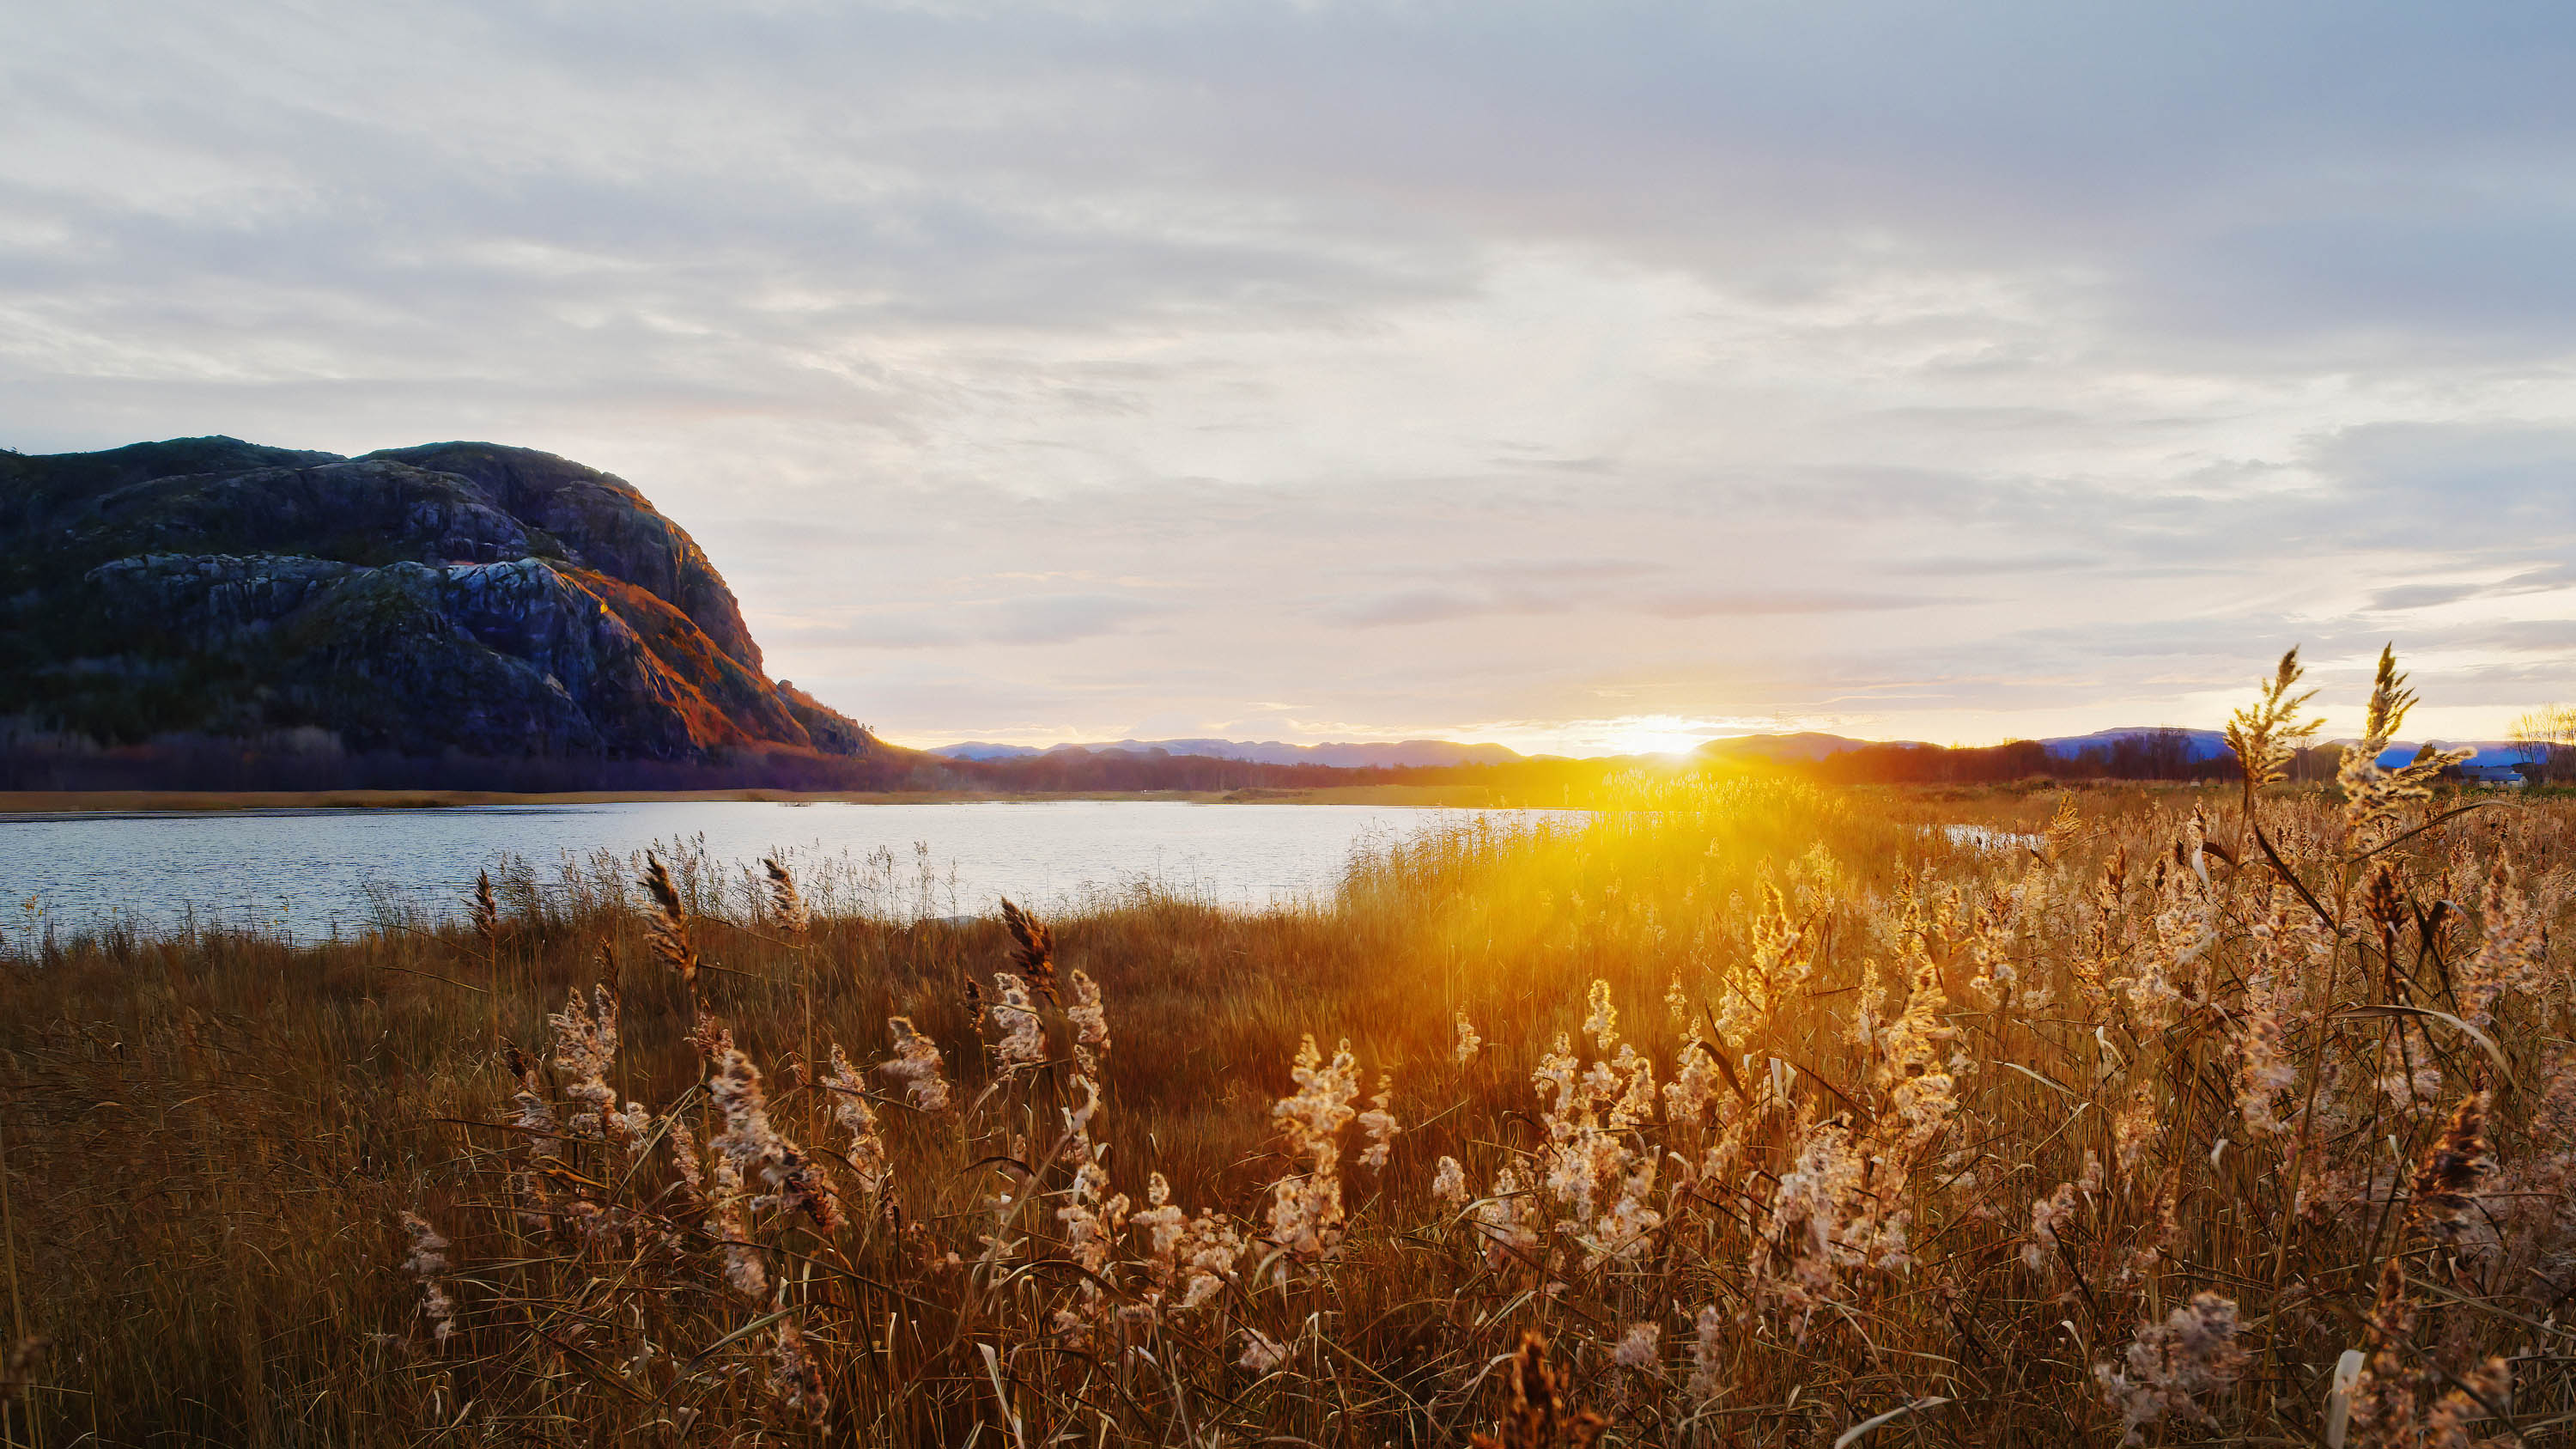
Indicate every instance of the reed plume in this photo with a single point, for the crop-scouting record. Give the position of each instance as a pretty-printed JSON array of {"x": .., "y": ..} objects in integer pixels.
[
  {"x": 486, "y": 912},
  {"x": 2373, "y": 796},
  {"x": 428, "y": 1265},
  {"x": 666, "y": 924},
  {"x": 1468, "y": 1043},
  {"x": 1033, "y": 950},
  {"x": 754, "y": 1147},
  {"x": 786, "y": 904},
  {"x": 917, "y": 1065},
  {"x": 1306, "y": 1214},
  {"x": 2171, "y": 1368},
  {"x": 2444, "y": 1192},
  {"x": 2267, "y": 734},
  {"x": 2395, "y": 1403},
  {"x": 1535, "y": 1412}
]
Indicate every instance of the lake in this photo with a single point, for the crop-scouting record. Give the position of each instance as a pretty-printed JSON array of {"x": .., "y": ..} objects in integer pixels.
[{"x": 315, "y": 872}]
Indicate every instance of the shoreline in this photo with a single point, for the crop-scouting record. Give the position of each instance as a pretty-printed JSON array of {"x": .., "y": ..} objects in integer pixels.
[{"x": 129, "y": 802}]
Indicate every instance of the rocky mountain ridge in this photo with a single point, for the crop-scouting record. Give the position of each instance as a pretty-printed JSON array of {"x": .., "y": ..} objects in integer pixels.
[{"x": 453, "y": 598}]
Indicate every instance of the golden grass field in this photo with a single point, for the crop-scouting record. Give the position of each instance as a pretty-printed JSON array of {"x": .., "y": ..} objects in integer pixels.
[{"x": 1751, "y": 1113}]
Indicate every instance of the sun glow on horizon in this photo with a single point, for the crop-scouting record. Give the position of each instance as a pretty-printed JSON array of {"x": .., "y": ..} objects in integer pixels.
[{"x": 1659, "y": 735}]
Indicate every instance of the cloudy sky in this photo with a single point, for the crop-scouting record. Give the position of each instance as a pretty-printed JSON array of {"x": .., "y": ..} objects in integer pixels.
[{"x": 1577, "y": 376}]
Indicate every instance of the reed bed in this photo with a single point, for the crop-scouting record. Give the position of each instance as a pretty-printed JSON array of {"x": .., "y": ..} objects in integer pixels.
[{"x": 1749, "y": 1113}]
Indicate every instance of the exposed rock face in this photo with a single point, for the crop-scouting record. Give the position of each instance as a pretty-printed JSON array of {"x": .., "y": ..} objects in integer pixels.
[
  {"x": 455, "y": 597},
  {"x": 602, "y": 521}
]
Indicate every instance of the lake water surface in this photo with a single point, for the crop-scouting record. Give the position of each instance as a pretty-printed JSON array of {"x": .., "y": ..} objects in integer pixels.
[{"x": 311, "y": 872}]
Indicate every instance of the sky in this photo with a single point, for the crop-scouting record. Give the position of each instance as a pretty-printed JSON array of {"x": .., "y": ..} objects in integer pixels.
[{"x": 1581, "y": 377}]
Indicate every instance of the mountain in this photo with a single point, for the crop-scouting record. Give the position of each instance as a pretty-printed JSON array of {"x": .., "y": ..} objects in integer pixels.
[
  {"x": 1806, "y": 745},
  {"x": 2485, "y": 752},
  {"x": 1347, "y": 756},
  {"x": 2199, "y": 745},
  {"x": 454, "y": 598},
  {"x": 2189, "y": 745},
  {"x": 979, "y": 750}
]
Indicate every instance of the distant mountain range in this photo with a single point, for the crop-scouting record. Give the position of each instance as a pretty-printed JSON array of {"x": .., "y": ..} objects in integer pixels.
[
  {"x": 1808, "y": 746},
  {"x": 1269, "y": 752}
]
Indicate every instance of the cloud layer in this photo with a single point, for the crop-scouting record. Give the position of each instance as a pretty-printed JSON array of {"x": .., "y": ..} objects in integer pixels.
[{"x": 1378, "y": 370}]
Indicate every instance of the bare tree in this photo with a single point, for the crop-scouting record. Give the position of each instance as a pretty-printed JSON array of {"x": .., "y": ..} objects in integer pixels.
[{"x": 2548, "y": 740}]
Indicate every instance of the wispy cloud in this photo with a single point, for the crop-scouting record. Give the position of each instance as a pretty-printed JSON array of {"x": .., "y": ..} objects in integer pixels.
[
  {"x": 1419, "y": 606},
  {"x": 1972, "y": 566},
  {"x": 1755, "y": 604},
  {"x": 2552, "y": 579}
]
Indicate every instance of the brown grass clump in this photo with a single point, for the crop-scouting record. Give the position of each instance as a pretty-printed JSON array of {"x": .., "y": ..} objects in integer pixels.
[{"x": 1746, "y": 1114}]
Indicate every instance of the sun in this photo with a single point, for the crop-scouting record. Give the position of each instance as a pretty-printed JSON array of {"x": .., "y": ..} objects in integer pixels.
[{"x": 1654, "y": 735}]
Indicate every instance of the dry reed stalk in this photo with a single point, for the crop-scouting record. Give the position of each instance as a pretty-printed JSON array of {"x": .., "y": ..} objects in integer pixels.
[
  {"x": 666, "y": 934},
  {"x": 18, "y": 1366},
  {"x": 486, "y": 914},
  {"x": 795, "y": 921}
]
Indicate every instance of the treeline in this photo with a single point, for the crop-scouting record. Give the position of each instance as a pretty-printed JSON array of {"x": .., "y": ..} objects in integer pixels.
[
  {"x": 2141, "y": 757},
  {"x": 1914, "y": 764}
]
